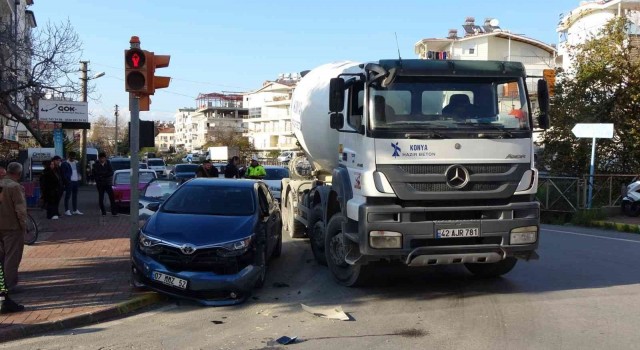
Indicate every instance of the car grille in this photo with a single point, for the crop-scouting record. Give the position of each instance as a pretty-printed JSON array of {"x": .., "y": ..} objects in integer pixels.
[{"x": 201, "y": 260}]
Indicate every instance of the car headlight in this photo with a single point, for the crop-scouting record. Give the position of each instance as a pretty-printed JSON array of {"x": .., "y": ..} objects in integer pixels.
[
  {"x": 147, "y": 244},
  {"x": 235, "y": 248}
]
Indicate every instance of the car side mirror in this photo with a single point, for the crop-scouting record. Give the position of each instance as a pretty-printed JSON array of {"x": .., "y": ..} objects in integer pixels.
[
  {"x": 336, "y": 95},
  {"x": 336, "y": 121},
  {"x": 153, "y": 206},
  {"x": 543, "y": 101}
]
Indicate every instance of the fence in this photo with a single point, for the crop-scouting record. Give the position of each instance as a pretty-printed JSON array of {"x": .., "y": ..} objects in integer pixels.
[{"x": 569, "y": 194}]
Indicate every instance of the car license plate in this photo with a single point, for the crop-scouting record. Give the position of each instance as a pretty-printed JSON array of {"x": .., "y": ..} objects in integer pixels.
[
  {"x": 458, "y": 232},
  {"x": 170, "y": 280}
]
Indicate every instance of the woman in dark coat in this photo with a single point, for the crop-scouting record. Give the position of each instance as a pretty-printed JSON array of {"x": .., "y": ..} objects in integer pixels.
[{"x": 51, "y": 189}]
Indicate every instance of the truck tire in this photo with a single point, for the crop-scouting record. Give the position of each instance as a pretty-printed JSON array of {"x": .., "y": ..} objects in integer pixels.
[
  {"x": 316, "y": 235},
  {"x": 491, "y": 270},
  {"x": 335, "y": 252},
  {"x": 294, "y": 228}
]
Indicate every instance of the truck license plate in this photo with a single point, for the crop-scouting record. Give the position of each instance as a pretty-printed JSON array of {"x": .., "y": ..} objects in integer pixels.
[
  {"x": 458, "y": 232},
  {"x": 170, "y": 280}
]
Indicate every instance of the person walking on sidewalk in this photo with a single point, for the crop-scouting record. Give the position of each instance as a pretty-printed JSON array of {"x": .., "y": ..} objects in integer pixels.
[
  {"x": 103, "y": 175},
  {"x": 7, "y": 305},
  {"x": 72, "y": 178},
  {"x": 51, "y": 188},
  {"x": 13, "y": 224}
]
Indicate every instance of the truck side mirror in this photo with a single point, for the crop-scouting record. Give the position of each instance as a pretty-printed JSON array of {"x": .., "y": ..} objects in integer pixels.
[
  {"x": 336, "y": 121},
  {"x": 543, "y": 101},
  {"x": 336, "y": 95}
]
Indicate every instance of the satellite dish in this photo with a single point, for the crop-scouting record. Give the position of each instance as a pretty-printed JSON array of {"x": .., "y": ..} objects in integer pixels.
[{"x": 494, "y": 22}]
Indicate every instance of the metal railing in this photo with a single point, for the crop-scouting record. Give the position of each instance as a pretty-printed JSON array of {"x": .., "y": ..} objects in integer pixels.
[{"x": 570, "y": 194}]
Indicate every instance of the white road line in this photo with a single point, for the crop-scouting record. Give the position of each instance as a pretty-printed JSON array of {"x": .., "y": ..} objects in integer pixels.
[{"x": 593, "y": 236}]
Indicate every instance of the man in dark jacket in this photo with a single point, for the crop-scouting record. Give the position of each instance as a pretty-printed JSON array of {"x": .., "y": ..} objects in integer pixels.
[
  {"x": 207, "y": 170},
  {"x": 71, "y": 177},
  {"x": 103, "y": 175},
  {"x": 231, "y": 170}
]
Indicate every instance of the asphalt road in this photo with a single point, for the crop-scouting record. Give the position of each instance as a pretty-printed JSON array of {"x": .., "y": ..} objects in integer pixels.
[{"x": 583, "y": 293}]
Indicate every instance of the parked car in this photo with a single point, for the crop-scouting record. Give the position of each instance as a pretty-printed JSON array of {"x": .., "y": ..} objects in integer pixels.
[
  {"x": 120, "y": 163},
  {"x": 191, "y": 158},
  {"x": 274, "y": 177},
  {"x": 183, "y": 172},
  {"x": 156, "y": 191},
  {"x": 122, "y": 184},
  {"x": 286, "y": 156},
  {"x": 210, "y": 241},
  {"x": 158, "y": 165},
  {"x": 143, "y": 166}
]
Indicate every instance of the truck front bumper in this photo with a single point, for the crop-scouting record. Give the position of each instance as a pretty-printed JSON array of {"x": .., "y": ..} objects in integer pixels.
[{"x": 421, "y": 244}]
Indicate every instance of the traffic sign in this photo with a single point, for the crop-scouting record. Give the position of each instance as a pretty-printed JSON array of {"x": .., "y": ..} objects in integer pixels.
[{"x": 593, "y": 130}]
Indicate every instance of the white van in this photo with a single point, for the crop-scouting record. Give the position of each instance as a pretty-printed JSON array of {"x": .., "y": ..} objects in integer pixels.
[{"x": 158, "y": 165}]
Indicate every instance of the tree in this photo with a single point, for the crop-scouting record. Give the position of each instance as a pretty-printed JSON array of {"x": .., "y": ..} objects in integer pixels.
[
  {"x": 604, "y": 87},
  {"x": 31, "y": 66},
  {"x": 103, "y": 134}
]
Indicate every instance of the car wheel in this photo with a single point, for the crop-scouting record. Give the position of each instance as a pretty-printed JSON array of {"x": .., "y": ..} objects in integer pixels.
[
  {"x": 261, "y": 262},
  {"x": 277, "y": 251},
  {"x": 336, "y": 252},
  {"x": 316, "y": 235},
  {"x": 491, "y": 270}
]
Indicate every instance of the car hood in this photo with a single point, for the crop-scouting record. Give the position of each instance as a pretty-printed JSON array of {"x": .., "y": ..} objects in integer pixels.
[{"x": 199, "y": 229}]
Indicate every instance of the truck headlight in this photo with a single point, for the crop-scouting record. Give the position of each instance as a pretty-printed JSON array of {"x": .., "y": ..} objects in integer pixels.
[
  {"x": 385, "y": 239},
  {"x": 235, "y": 248},
  {"x": 524, "y": 235}
]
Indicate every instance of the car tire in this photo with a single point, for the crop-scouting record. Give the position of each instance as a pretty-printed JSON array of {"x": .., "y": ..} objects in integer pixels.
[
  {"x": 316, "y": 235},
  {"x": 277, "y": 251},
  {"x": 294, "y": 228},
  {"x": 492, "y": 270},
  {"x": 262, "y": 262},
  {"x": 345, "y": 274}
]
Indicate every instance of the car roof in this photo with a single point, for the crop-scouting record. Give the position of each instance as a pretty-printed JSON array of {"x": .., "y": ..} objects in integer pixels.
[
  {"x": 129, "y": 170},
  {"x": 275, "y": 167},
  {"x": 212, "y": 181}
]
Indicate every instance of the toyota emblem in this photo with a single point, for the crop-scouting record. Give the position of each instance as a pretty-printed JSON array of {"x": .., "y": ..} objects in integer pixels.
[
  {"x": 187, "y": 249},
  {"x": 457, "y": 176}
]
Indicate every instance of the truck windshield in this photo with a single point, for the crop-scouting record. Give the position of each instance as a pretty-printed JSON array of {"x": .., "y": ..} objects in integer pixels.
[{"x": 458, "y": 103}]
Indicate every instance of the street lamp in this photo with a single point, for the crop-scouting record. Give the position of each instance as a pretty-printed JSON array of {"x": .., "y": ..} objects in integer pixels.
[{"x": 84, "y": 79}]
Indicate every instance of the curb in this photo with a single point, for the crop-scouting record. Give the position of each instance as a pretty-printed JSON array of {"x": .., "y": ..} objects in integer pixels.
[
  {"x": 616, "y": 226},
  {"x": 121, "y": 309}
]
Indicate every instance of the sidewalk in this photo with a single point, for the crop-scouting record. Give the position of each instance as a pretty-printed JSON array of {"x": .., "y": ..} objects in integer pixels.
[{"x": 77, "y": 273}]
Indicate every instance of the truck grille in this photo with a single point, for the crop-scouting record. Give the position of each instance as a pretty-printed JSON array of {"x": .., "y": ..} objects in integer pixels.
[
  {"x": 443, "y": 187},
  {"x": 426, "y": 169}
]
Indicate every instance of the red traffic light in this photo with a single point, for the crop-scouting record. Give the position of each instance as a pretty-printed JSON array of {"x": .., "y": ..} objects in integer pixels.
[
  {"x": 136, "y": 75},
  {"x": 135, "y": 58}
]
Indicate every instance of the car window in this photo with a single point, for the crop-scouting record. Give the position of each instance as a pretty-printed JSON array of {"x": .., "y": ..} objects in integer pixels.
[
  {"x": 264, "y": 197},
  {"x": 160, "y": 189},
  {"x": 120, "y": 164},
  {"x": 186, "y": 168},
  {"x": 210, "y": 200},
  {"x": 125, "y": 178},
  {"x": 155, "y": 162},
  {"x": 276, "y": 173}
]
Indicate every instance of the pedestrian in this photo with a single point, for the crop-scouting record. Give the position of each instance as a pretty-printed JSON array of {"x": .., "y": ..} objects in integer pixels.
[
  {"x": 51, "y": 187},
  {"x": 103, "y": 175},
  {"x": 7, "y": 305},
  {"x": 207, "y": 170},
  {"x": 231, "y": 170},
  {"x": 3, "y": 172},
  {"x": 255, "y": 170},
  {"x": 13, "y": 224},
  {"x": 72, "y": 178}
]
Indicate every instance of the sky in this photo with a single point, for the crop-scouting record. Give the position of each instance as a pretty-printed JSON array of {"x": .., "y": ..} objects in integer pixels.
[{"x": 234, "y": 46}]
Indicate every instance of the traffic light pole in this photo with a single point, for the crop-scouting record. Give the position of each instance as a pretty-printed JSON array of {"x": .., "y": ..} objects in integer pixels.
[
  {"x": 83, "y": 150},
  {"x": 134, "y": 147}
]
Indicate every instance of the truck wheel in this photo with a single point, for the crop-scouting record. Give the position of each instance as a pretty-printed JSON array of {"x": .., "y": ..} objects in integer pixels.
[
  {"x": 495, "y": 269},
  {"x": 316, "y": 235},
  {"x": 335, "y": 253},
  {"x": 290, "y": 225}
]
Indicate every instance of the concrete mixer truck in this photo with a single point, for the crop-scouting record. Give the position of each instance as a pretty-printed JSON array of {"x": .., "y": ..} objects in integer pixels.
[{"x": 423, "y": 162}]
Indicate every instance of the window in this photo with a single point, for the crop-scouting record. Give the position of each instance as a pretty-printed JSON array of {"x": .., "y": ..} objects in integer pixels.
[
  {"x": 211, "y": 200},
  {"x": 356, "y": 106}
]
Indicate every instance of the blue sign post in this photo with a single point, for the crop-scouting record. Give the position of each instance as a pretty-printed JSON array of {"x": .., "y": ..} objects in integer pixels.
[{"x": 58, "y": 141}]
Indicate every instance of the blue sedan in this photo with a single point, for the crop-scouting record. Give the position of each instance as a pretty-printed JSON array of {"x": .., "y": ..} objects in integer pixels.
[
  {"x": 210, "y": 241},
  {"x": 184, "y": 172}
]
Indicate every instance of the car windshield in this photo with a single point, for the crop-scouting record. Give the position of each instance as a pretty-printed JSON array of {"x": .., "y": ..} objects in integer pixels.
[
  {"x": 493, "y": 103},
  {"x": 211, "y": 200},
  {"x": 120, "y": 164},
  {"x": 125, "y": 178},
  {"x": 186, "y": 168},
  {"x": 276, "y": 173},
  {"x": 155, "y": 162},
  {"x": 160, "y": 189}
]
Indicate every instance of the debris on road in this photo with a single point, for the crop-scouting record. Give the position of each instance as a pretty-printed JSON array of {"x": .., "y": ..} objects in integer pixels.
[
  {"x": 286, "y": 340},
  {"x": 280, "y": 285},
  {"x": 217, "y": 322},
  {"x": 332, "y": 314}
]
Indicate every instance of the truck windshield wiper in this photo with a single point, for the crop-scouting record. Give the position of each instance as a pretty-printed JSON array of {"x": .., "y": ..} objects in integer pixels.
[
  {"x": 428, "y": 134},
  {"x": 502, "y": 132}
]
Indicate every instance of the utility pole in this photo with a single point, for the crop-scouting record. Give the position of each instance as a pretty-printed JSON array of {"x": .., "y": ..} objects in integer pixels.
[
  {"x": 84, "y": 79},
  {"x": 116, "y": 147},
  {"x": 134, "y": 148}
]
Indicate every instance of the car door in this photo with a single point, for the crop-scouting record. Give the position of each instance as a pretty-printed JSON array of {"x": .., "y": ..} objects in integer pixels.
[{"x": 266, "y": 204}]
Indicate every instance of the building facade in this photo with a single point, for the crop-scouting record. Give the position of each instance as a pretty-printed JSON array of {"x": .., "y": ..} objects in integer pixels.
[
  {"x": 269, "y": 119},
  {"x": 16, "y": 22},
  {"x": 165, "y": 140},
  {"x": 585, "y": 21}
]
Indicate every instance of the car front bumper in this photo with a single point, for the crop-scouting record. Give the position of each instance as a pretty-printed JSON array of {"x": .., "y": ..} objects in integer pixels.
[{"x": 206, "y": 288}]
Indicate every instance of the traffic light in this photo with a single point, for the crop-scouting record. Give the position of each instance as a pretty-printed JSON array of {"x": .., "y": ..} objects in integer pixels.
[
  {"x": 136, "y": 71},
  {"x": 157, "y": 82}
]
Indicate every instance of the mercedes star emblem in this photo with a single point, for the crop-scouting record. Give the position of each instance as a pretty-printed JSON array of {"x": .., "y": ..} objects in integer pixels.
[
  {"x": 188, "y": 249},
  {"x": 457, "y": 176}
]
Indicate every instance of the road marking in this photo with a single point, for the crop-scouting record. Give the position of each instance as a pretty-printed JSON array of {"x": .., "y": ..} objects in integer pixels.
[{"x": 593, "y": 236}]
